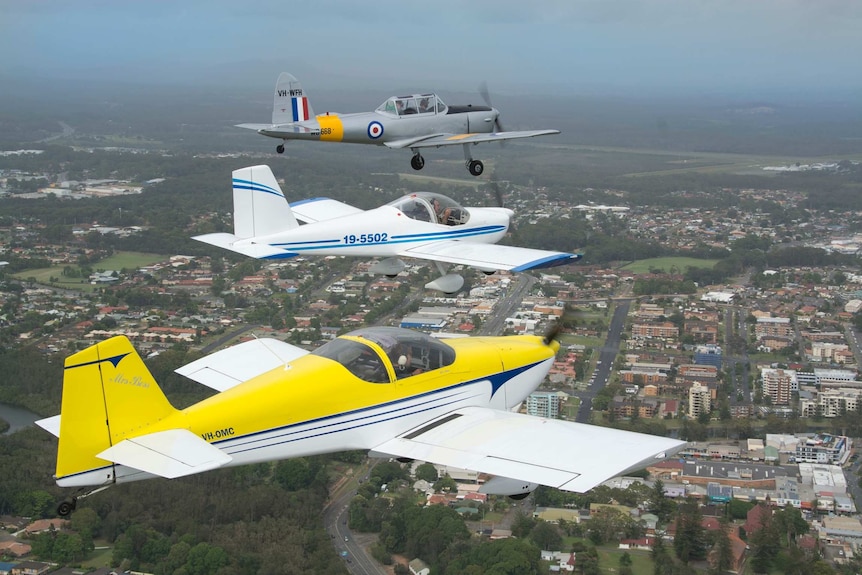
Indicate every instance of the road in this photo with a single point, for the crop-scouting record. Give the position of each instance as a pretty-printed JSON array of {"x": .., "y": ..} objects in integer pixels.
[
  {"x": 736, "y": 335},
  {"x": 496, "y": 322},
  {"x": 357, "y": 561},
  {"x": 67, "y": 131},
  {"x": 604, "y": 365}
]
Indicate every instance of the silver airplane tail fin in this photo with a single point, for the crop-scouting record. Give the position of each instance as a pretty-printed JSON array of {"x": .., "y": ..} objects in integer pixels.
[{"x": 290, "y": 103}]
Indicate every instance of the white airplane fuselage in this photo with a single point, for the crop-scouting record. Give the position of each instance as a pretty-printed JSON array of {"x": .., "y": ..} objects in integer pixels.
[{"x": 382, "y": 232}]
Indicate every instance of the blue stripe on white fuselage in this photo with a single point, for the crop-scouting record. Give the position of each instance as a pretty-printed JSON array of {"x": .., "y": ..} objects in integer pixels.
[{"x": 399, "y": 239}]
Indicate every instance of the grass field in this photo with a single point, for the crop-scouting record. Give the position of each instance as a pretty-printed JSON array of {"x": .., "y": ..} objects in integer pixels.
[
  {"x": 471, "y": 183},
  {"x": 100, "y": 557},
  {"x": 609, "y": 560},
  {"x": 118, "y": 261},
  {"x": 680, "y": 263}
]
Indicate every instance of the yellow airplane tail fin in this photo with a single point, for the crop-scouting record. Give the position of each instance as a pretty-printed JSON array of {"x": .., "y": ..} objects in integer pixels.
[{"x": 108, "y": 395}]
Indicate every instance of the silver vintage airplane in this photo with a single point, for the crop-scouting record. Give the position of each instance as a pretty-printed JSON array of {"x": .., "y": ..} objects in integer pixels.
[{"x": 416, "y": 121}]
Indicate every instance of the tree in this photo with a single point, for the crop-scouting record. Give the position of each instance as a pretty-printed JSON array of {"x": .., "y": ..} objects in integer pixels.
[
  {"x": 765, "y": 541},
  {"x": 546, "y": 536},
  {"x": 426, "y": 472},
  {"x": 522, "y": 524},
  {"x": 659, "y": 503},
  {"x": 690, "y": 540},
  {"x": 445, "y": 484},
  {"x": 722, "y": 549}
]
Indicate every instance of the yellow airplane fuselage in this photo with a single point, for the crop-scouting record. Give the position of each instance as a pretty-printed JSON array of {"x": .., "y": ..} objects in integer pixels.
[{"x": 311, "y": 405}]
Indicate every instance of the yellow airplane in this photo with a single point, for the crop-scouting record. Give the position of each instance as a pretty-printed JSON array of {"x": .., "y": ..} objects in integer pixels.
[{"x": 394, "y": 392}]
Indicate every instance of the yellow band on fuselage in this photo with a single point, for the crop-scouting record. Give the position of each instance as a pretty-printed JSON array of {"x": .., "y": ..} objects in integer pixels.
[{"x": 331, "y": 128}]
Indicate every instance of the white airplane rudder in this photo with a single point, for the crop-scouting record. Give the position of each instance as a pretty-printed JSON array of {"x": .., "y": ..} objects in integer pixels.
[
  {"x": 290, "y": 103},
  {"x": 259, "y": 205}
]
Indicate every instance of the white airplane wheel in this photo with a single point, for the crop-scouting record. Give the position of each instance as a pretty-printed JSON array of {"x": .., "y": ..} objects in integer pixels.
[{"x": 475, "y": 167}]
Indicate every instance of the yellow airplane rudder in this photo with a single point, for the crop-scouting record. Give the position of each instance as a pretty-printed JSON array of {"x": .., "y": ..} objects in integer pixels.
[{"x": 108, "y": 395}]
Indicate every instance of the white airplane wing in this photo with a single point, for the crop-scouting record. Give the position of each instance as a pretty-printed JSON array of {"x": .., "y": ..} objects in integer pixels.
[
  {"x": 172, "y": 453},
  {"x": 489, "y": 256},
  {"x": 234, "y": 365},
  {"x": 320, "y": 209},
  {"x": 561, "y": 454},
  {"x": 437, "y": 140}
]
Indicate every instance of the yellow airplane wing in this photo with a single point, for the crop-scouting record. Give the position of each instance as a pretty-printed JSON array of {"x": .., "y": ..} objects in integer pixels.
[{"x": 569, "y": 456}]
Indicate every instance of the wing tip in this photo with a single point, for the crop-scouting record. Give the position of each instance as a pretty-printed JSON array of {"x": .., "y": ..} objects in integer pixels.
[{"x": 550, "y": 261}]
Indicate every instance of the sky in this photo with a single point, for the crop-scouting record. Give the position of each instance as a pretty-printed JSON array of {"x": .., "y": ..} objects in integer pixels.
[{"x": 750, "y": 48}]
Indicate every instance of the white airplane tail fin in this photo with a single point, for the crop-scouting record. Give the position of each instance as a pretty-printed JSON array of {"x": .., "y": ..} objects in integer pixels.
[
  {"x": 259, "y": 206},
  {"x": 290, "y": 104}
]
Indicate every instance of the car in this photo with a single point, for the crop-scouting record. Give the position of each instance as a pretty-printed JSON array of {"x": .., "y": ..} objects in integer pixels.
[{"x": 346, "y": 538}]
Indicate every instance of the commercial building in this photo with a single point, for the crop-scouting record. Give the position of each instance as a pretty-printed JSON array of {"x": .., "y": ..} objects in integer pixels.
[
  {"x": 699, "y": 398},
  {"x": 824, "y": 448},
  {"x": 544, "y": 404},
  {"x": 708, "y": 355},
  {"x": 778, "y": 384}
]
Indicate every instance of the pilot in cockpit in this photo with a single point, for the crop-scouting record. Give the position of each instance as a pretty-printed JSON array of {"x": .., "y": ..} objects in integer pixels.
[{"x": 426, "y": 105}]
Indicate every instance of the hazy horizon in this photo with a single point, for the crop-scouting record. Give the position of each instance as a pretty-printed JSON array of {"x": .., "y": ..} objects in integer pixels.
[{"x": 733, "y": 49}]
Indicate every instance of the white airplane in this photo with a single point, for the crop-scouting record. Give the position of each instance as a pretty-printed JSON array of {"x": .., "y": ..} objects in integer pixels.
[
  {"x": 422, "y": 225},
  {"x": 394, "y": 392},
  {"x": 416, "y": 121}
]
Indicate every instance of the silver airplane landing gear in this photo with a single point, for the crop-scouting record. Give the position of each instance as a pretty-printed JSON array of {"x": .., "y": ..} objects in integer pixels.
[
  {"x": 475, "y": 167},
  {"x": 417, "y": 162}
]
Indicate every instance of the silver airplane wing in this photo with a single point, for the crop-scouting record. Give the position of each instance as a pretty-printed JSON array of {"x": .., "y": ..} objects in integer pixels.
[{"x": 437, "y": 140}]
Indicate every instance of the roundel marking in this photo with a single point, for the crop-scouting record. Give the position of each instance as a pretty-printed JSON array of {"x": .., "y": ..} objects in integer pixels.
[{"x": 375, "y": 130}]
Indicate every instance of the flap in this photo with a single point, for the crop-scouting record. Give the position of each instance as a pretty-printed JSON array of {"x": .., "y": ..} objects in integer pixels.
[
  {"x": 490, "y": 256},
  {"x": 172, "y": 453},
  {"x": 438, "y": 140},
  {"x": 569, "y": 456},
  {"x": 236, "y": 364},
  {"x": 321, "y": 209}
]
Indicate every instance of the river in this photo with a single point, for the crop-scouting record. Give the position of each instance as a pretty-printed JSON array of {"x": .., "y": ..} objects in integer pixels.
[{"x": 18, "y": 417}]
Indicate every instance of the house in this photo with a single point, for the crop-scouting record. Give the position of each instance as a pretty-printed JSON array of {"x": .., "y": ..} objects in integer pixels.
[
  {"x": 565, "y": 562},
  {"x": 644, "y": 543},
  {"x": 756, "y": 518},
  {"x": 418, "y": 567},
  {"x": 43, "y": 525},
  {"x": 31, "y": 568},
  {"x": 14, "y": 548}
]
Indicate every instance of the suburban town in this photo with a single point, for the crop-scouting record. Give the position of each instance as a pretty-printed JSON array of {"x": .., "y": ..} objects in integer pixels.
[{"x": 758, "y": 373}]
